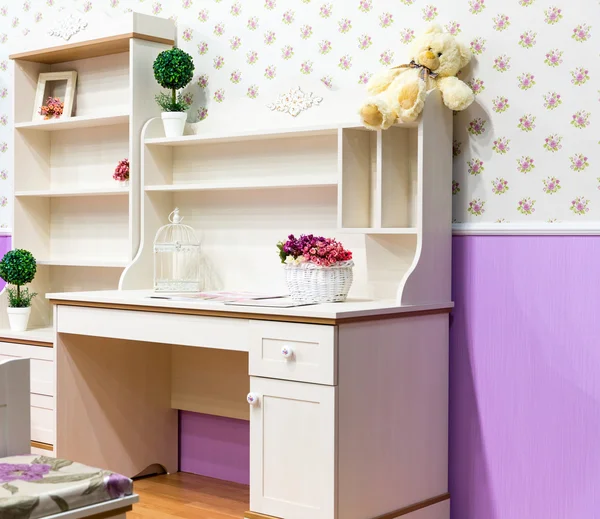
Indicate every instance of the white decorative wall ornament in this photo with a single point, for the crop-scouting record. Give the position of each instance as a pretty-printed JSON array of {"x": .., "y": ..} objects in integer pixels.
[
  {"x": 68, "y": 27},
  {"x": 294, "y": 102}
]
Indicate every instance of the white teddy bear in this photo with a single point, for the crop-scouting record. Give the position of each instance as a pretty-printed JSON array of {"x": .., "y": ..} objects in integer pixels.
[{"x": 399, "y": 93}]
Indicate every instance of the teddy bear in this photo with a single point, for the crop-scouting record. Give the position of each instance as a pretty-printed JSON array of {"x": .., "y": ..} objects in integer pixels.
[{"x": 399, "y": 92}]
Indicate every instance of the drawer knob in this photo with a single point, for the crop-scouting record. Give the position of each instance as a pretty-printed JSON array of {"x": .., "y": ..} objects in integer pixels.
[
  {"x": 287, "y": 351},
  {"x": 252, "y": 399}
]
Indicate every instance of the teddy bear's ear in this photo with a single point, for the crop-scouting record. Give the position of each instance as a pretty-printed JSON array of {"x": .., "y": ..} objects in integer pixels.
[
  {"x": 465, "y": 54},
  {"x": 434, "y": 28}
]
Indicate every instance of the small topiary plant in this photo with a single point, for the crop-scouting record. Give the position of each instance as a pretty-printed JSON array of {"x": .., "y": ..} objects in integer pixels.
[
  {"x": 173, "y": 69},
  {"x": 18, "y": 267}
]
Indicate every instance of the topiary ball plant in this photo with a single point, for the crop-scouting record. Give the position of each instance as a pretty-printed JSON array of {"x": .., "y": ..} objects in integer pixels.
[
  {"x": 18, "y": 267},
  {"x": 173, "y": 69}
]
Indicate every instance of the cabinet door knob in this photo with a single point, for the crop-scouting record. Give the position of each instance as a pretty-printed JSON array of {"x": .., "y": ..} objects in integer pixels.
[
  {"x": 287, "y": 351},
  {"x": 252, "y": 399}
]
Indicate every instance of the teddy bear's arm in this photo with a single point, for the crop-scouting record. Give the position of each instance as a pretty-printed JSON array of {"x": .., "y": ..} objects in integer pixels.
[
  {"x": 456, "y": 93},
  {"x": 382, "y": 80}
]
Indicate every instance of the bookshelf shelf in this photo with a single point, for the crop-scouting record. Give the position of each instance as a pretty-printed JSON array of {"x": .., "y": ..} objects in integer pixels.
[{"x": 73, "y": 123}]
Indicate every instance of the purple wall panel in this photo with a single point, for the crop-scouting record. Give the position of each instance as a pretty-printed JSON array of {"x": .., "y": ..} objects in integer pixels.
[
  {"x": 5, "y": 245},
  {"x": 524, "y": 384},
  {"x": 525, "y": 378},
  {"x": 214, "y": 446}
]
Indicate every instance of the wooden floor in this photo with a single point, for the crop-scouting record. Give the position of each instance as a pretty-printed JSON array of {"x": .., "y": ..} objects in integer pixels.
[{"x": 187, "y": 496}]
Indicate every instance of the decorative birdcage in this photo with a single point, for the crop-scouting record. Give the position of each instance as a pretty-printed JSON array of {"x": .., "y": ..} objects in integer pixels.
[{"x": 176, "y": 257}]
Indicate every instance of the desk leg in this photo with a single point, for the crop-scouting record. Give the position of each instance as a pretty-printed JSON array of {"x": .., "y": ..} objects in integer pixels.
[{"x": 113, "y": 404}]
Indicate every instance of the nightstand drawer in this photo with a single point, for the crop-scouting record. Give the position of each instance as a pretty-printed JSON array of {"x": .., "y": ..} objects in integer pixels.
[
  {"x": 290, "y": 351},
  {"x": 42, "y": 419}
]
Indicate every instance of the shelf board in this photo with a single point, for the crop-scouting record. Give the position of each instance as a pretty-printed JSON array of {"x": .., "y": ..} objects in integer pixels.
[
  {"x": 71, "y": 123},
  {"x": 75, "y": 262},
  {"x": 43, "y": 335},
  {"x": 250, "y": 135},
  {"x": 87, "y": 49},
  {"x": 275, "y": 183},
  {"x": 64, "y": 193},
  {"x": 255, "y": 135},
  {"x": 384, "y": 230}
]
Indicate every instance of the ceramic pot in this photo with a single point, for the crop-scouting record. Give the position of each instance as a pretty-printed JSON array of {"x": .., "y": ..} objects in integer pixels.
[
  {"x": 18, "y": 318},
  {"x": 174, "y": 123}
]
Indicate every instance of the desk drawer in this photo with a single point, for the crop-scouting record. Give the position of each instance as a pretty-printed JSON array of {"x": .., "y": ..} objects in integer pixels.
[
  {"x": 42, "y": 419},
  {"x": 290, "y": 351},
  {"x": 41, "y": 361}
]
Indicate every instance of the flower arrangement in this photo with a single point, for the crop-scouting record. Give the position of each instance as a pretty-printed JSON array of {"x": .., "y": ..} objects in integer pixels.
[
  {"x": 317, "y": 250},
  {"x": 53, "y": 108},
  {"x": 121, "y": 173},
  {"x": 173, "y": 70},
  {"x": 318, "y": 270}
]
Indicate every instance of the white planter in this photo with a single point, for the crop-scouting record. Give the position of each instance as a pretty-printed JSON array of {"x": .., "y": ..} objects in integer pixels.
[
  {"x": 18, "y": 318},
  {"x": 174, "y": 123}
]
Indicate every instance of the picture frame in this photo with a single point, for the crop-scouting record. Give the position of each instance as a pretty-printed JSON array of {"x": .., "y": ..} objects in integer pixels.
[{"x": 70, "y": 77}]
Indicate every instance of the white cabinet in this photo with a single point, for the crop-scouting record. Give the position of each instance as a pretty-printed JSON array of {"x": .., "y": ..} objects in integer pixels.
[
  {"x": 42, "y": 387},
  {"x": 292, "y": 449}
]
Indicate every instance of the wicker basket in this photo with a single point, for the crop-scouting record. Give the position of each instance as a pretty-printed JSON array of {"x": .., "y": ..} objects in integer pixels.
[{"x": 310, "y": 283}]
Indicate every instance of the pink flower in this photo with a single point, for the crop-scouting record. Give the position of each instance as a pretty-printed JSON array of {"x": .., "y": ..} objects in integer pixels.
[
  {"x": 478, "y": 46},
  {"x": 202, "y": 113},
  {"x": 386, "y": 20},
  {"x": 407, "y": 36},
  {"x": 121, "y": 173},
  {"x": 553, "y": 15},
  {"x": 219, "y": 29},
  {"x": 344, "y": 25},
  {"x": 306, "y": 32},
  {"x": 270, "y": 38},
  {"x": 364, "y": 77}
]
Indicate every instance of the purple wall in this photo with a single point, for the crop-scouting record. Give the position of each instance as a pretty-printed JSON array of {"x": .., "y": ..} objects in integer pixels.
[
  {"x": 214, "y": 446},
  {"x": 5, "y": 244},
  {"x": 525, "y": 378},
  {"x": 524, "y": 384}
]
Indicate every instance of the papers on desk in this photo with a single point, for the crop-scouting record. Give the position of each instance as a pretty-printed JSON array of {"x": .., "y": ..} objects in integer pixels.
[
  {"x": 280, "y": 302},
  {"x": 219, "y": 297},
  {"x": 235, "y": 298}
]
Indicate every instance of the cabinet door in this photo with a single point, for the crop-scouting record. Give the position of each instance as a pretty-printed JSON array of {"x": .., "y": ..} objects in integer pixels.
[{"x": 292, "y": 449}]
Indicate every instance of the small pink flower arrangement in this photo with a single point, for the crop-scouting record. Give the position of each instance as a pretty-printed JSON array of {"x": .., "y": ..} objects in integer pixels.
[
  {"x": 323, "y": 252},
  {"x": 121, "y": 173},
  {"x": 317, "y": 269},
  {"x": 53, "y": 108}
]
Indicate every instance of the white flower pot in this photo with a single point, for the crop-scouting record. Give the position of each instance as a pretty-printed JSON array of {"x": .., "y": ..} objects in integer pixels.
[
  {"x": 18, "y": 318},
  {"x": 174, "y": 123}
]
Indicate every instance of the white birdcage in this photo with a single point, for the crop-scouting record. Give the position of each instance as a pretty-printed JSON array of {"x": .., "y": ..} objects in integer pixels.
[{"x": 176, "y": 257}]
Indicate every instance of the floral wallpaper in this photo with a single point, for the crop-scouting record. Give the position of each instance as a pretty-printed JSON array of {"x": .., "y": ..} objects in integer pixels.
[{"x": 528, "y": 150}]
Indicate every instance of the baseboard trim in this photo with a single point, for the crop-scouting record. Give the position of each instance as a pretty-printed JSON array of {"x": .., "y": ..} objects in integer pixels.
[
  {"x": 390, "y": 515},
  {"x": 526, "y": 229},
  {"x": 417, "y": 506},
  {"x": 40, "y": 445}
]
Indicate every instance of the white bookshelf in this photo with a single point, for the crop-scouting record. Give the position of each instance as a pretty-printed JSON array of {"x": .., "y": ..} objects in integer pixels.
[
  {"x": 385, "y": 195},
  {"x": 81, "y": 225}
]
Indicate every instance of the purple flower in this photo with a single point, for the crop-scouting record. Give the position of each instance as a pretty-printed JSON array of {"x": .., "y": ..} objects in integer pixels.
[
  {"x": 118, "y": 486},
  {"x": 22, "y": 472}
]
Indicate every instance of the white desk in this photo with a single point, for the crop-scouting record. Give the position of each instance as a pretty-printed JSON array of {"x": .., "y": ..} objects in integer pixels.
[{"x": 351, "y": 425}]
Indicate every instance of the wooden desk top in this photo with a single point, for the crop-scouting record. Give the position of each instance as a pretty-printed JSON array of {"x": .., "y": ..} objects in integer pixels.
[{"x": 332, "y": 314}]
